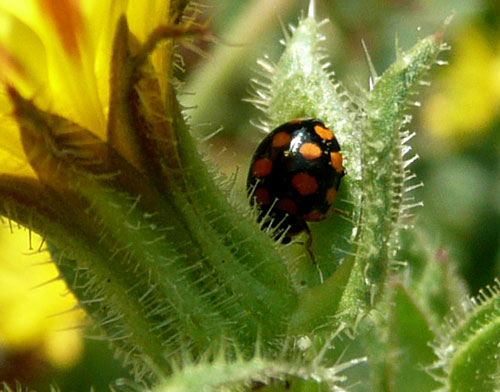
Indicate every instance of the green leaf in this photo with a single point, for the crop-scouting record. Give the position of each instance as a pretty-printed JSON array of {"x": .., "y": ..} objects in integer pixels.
[
  {"x": 434, "y": 276},
  {"x": 302, "y": 86},
  {"x": 398, "y": 339},
  {"x": 384, "y": 170},
  {"x": 469, "y": 354},
  {"x": 410, "y": 338}
]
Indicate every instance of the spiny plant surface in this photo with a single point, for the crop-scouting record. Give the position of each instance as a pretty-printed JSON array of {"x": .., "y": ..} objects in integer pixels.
[{"x": 190, "y": 292}]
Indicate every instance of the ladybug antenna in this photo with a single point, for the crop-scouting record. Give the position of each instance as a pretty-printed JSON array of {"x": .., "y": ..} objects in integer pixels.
[{"x": 311, "y": 13}]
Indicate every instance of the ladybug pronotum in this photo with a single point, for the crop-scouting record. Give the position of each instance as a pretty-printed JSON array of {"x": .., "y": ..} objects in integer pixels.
[{"x": 294, "y": 176}]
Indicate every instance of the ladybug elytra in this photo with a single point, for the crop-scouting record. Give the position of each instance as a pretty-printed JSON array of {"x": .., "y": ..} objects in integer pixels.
[{"x": 294, "y": 176}]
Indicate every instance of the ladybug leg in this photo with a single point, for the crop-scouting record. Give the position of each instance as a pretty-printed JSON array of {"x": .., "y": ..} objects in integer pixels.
[
  {"x": 342, "y": 214},
  {"x": 308, "y": 243},
  {"x": 308, "y": 246}
]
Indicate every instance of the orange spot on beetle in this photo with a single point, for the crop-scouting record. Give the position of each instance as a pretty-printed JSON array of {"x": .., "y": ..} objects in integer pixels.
[
  {"x": 310, "y": 151},
  {"x": 281, "y": 139},
  {"x": 330, "y": 195},
  {"x": 314, "y": 215},
  {"x": 336, "y": 159},
  {"x": 262, "y": 195},
  {"x": 262, "y": 167},
  {"x": 305, "y": 184},
  {"x": 323, "y": 132},
  {"x": 288, "y": 206}
]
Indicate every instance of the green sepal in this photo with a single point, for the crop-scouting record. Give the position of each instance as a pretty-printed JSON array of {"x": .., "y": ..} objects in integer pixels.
[
  {"x": 383, "y": 171},
  {"x": 301, "y": 86},
  {"x": 318, "y": 306},
  {"x": 180, "y": 173},
  {"x": 469, "y": 354},
  {"x": 172, "y": 271},
  {"x": 398, "y": 338},
  {"x": 201, "y": 278},
  {"x": 433, "y": 276},
  {"x": 37, "y": 208},
  {"x": 123, "y": 240},
  {"x": 122, "y": 133}
]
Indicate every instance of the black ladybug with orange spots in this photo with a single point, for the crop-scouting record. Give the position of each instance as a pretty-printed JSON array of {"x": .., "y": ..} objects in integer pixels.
[{"x": 294, "y": 176}]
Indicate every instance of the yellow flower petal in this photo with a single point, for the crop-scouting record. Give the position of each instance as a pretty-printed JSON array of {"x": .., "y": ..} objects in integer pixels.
[
  {"x": 71, "y": 88},
  {"x": 63, "y": 348},
  {"x": 67, "y": 20},
  {"x": 34, "y": 315},
  {"x": 12, "y": 157},
  {"x": 143, "y": 17},
  {"x": 58, "y": 53},
  {"x": 469, "y": 95},
  {"x": 17, "y": 61}
]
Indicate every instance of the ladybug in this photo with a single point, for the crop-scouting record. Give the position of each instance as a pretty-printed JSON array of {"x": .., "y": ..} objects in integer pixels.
[{"x": 294, "y": 176}]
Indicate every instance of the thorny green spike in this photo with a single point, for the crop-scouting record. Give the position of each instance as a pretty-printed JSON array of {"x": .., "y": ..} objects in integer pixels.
[
  {"x": 373, "y": 71},
  {"x": 311, "y": 11},
  {"x": 248, "y": 374}
]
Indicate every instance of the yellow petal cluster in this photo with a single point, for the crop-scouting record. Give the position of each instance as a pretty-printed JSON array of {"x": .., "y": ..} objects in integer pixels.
[{"x": 58, "y": 53}]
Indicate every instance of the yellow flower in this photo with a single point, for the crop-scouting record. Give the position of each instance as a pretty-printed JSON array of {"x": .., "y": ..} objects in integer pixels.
[
  {"x": 57, "y": 54},
  {"x": 469, "y": 91},
  {"x": 59, "y": 51},
  {"x": 35, "y": 315}
]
